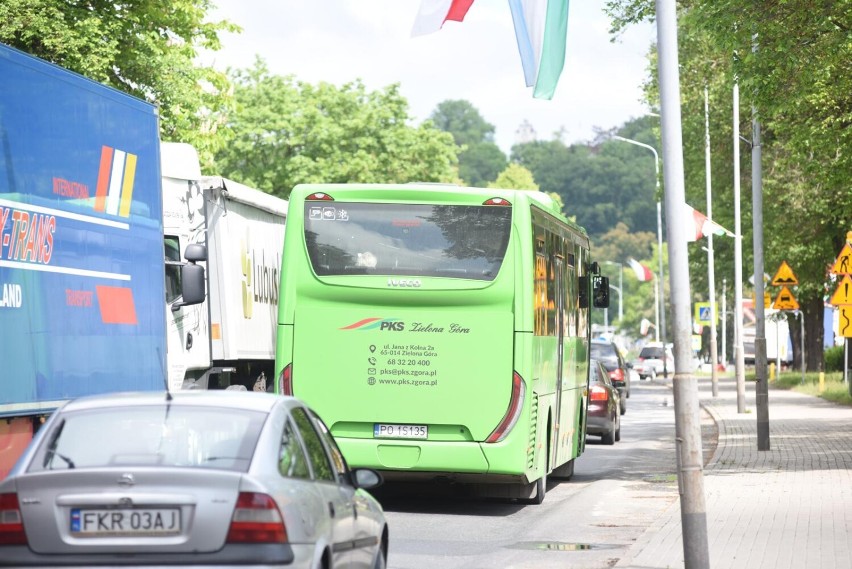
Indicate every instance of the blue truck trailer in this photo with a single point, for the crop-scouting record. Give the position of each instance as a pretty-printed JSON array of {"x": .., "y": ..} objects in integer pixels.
[{"x": 82, "y": 283}]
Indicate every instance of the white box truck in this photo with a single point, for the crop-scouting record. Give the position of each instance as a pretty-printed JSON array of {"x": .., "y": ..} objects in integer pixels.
[{"x": 237, "y": 232}]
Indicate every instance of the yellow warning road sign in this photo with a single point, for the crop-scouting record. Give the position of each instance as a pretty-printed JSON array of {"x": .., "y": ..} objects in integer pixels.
[
  {"x": 784, "y": 276},
  {"x": 785, "y": 300},
  {"x": 843, "y": 264},
  {"x": 843, "y": 295},
  {"x": 844, "y": 324}
]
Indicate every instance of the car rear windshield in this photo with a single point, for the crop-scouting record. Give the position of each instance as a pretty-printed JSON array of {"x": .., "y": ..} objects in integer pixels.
[
  {"x": 152, "y": 435},
  {"x": 654, "y": 353},
  {"x": 602, "y": 351},
  {"x": 460, "y": 241}
]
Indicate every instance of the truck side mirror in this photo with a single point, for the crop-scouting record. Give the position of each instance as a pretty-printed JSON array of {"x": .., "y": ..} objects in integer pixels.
[
  {"x": 195, "y": 252},
  {"x": 192, "y": 277},
  {"x": 601, "y": 291}
]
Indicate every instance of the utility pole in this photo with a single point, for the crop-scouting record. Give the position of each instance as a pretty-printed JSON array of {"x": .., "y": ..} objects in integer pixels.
[
  {"x": 760, "y": 378},
  {"x": 711, "y": 272},
  {"x": 739, "y": 356},
  {"x": 761, "y": 382},
  {"x": 685, "y": 385},
  {"x": 661, "y": 281}
]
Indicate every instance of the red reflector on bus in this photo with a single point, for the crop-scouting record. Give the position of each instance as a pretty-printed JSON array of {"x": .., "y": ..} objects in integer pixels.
[
  {"x": 497, "y": 201},
  {"x": 319, "y": 196},
  {"x": 516, "y": 405},
  {"x": 285, "y": 380}
]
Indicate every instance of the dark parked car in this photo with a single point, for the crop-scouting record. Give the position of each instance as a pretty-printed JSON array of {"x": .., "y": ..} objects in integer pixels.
[
  {"x": 213, "y": 478},
  {"x": 604, "y": 410},
  {"x": 619, "y": 370}
]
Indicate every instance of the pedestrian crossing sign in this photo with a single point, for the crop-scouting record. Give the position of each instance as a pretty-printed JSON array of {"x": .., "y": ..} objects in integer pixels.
[
  {"x": 702, "y": 313},
  {"x": 784, "y": 276}
]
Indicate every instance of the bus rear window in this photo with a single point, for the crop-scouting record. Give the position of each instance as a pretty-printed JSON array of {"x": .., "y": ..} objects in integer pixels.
[{"x": 461, "y": 241}]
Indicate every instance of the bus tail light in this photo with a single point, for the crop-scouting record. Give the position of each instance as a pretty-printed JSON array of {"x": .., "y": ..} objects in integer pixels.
[
  {"x": 497, "y": 201},
  {"x": 598, "y": 393},
  {"x": 256, "y": 519},
  {"x": 516, "y": 404},
  {"x": 11, "y": 524},
  {"x": 319, "y": 197},
  {"x": 285, "y": 380}
]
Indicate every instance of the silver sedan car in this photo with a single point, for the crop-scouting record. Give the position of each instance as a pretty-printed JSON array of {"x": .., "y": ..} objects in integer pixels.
[{"x": 194, "y": 478}]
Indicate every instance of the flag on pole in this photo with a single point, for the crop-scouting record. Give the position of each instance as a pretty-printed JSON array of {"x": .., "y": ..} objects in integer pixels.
[
  {"x": 433, "y": 13},
  {"x": 643, "y": 273},
  {"x": 702, "y": 225},
  {"x": 541, "y": 29}
]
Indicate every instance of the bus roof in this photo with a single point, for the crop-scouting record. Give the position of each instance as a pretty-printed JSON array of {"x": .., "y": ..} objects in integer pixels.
[{"x": 541, "y": 199}]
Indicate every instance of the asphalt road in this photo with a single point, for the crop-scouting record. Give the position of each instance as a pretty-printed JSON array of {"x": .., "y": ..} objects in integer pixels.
[{"x": 617, "y": 491}]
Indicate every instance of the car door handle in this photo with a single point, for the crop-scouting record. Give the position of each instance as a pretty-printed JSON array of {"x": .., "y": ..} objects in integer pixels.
[{"x": 331, "y": 509}]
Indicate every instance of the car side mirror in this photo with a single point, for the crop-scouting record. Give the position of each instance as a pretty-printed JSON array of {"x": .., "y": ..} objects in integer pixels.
[{"x": 366, "y": 478}]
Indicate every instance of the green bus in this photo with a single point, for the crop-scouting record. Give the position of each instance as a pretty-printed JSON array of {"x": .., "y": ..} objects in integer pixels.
[{"x": 440, "y": 331}]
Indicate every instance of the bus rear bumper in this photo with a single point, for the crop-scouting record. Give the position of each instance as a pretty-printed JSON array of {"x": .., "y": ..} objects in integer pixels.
[{"x": 424, "y": 460}]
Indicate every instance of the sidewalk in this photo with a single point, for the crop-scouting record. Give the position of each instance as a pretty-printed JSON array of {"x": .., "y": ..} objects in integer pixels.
[{"x": 788, "y": 507}]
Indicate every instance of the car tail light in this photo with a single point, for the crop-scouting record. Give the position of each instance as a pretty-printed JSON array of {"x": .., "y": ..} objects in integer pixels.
[
  {"x": 617, "y": 374},
  {"x": 516, "y": 404},
  {"x": 256, "y": 519},
  {"x": 598, "y": 393},
  {"x": 285, "y": 380},
  {"x": 319, "y": 196},
  {"x": 11, "y": 524}
]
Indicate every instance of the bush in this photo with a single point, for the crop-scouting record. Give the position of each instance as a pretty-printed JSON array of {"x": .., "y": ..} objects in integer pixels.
[{"x": 834, "y": 358}]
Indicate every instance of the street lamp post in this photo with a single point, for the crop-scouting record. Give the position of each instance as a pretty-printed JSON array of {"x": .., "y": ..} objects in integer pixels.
[{"x": 662, "y": 327}]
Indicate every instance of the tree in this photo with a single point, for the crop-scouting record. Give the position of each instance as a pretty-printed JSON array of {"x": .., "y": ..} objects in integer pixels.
[
  {"x": 286, "y": 132},
  {"x": 603, "y": 183},
  {"x": 517, "y": 177},
  {"x": 146, "y": 48},
  {"x": 481, "y": 160},
  {"x": 792, "y": 61}
]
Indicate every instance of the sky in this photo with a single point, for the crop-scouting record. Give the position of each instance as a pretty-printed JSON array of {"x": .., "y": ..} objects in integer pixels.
[{"x": 338, "y": 41}]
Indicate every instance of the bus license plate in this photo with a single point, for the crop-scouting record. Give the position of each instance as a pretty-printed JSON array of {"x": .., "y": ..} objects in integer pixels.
[
  {"x": 384, "y": 430},
  {"x": 121, "y": 522}
]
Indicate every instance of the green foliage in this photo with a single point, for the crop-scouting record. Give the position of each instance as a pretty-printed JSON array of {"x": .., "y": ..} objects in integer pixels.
[
  {"x": 833, "y": 387},
  {"x": 461, "y": 119},
  {"x": 286, "y": 132},
  {"x": 515, "y": 177},
  {"x": 146, "y": 48},
  {"x": 619, "y": 244},
  {"x": 792, "y": 61},
  {"x": 481, "y": 160},
  {"x": 480, "y": 163},
  {"x": 601, "y": 184},
  {"x": 833, "y": 358}
]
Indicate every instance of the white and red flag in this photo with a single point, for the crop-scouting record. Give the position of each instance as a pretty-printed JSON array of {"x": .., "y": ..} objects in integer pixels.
[
  {"x": 433, "y": 13},
  {"x": 643, "y": 273},
  {"x": 702, "y": 226}
]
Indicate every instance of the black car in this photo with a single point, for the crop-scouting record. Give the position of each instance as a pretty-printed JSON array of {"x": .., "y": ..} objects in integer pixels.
[
  {"x": 619, "y": 370},
  {"x": 604, "y": 409}
]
